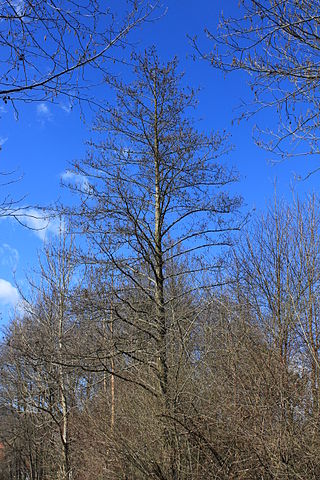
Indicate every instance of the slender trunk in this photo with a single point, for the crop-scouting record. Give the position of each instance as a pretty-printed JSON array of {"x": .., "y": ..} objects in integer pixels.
[
  {"x": 67, "y": 474},
  {"x": 109, "y": 415},
  {"x": 159, "y": 285},
  {"x": 169, "y": 450},
  {"x": 65, "y": 431},
  {"x": 113, "y": 406},
  {"x": 111, "y": 373}
]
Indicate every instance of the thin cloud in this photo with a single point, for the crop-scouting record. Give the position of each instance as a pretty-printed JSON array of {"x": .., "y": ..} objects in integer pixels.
[
  {"x": 66, "y": 107},
  {"x": 9, "y": 256},
  {"x": 3, "y": 140},
  {"x": 75, "y": 178},
  {"x": 9, "y": 295},
  {"x": 40, "y": 222},
  {"x": 43, "y": 111}
]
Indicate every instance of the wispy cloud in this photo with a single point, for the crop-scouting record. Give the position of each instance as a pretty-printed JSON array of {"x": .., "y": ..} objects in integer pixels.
[
  {"x": 9, "y": 256},
  {"x": 66, "y": 107},
  {"x": 42, "y": 223},
  {"x": 3, "y": 140},
  {"x": 9, "y": 295},
  {"x": 42, "y": 109},
  {"x": 80, "y": 180},
  {"x": 43, "y": 112}
]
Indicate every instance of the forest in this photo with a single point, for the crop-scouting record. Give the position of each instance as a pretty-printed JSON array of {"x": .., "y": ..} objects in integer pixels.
[{"x": 170, "y": 332}]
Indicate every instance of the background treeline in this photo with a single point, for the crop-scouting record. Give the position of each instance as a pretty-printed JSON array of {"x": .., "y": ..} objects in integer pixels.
[{"x": 161, "y": 337}]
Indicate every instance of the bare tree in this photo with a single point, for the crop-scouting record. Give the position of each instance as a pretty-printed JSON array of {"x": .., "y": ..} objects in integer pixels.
[
  {"x": 153, "y": 195},
  {"x": 60, "y": 48},
  {"x": 306, "y": 238},
  {"x": 42, "y": 340},
  {"x": 277, "y": 43},
  {"x": 278, "y": 265},
  {"x": 55, "y": 48},
  {"x": 267, "y": 260}
]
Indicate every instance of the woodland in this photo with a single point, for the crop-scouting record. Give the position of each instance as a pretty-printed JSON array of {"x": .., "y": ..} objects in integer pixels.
[{"x": 170, "y": 334}]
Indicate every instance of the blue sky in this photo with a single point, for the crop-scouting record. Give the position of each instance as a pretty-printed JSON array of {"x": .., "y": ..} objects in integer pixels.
[{"x": 40, "y": 144}]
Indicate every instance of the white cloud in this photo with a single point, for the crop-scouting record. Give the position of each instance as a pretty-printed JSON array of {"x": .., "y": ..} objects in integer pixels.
[
  {"x": 9, "y": 256},
  {"x": 9, "y": 295},
  {"x": 66, "y": 107},
  {"x": 80, "y": 180},
  {"x": 42, "y": 223},
  {"x": 3, "y": 140},
  {"x": 43, "y": 111}
]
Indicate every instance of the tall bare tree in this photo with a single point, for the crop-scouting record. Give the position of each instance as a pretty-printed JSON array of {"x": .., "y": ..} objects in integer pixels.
[{"x": 153, "y": 195}]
